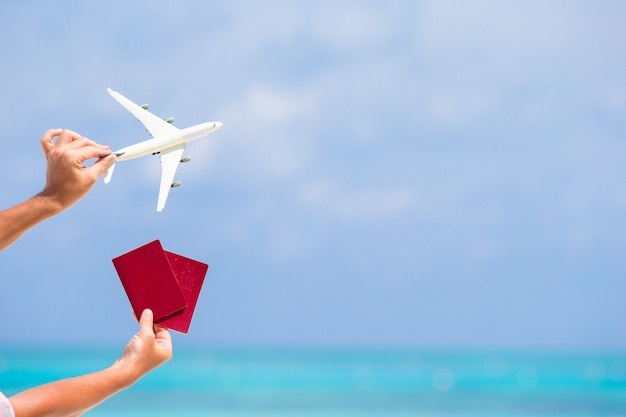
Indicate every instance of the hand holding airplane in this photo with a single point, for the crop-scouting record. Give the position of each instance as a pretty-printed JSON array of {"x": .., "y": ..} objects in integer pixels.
[{"x": 167, "y": 141}]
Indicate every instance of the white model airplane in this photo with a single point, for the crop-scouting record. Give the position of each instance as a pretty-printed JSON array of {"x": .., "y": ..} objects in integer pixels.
[{"x": 167, "y": 141}]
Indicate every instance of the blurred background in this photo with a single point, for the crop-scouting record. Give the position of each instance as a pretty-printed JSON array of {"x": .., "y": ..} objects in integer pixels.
[{"x": 416, "y": 177}]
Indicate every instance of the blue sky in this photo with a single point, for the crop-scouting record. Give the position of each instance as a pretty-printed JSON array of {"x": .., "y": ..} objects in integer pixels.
[{"x": 416, "y": 174}]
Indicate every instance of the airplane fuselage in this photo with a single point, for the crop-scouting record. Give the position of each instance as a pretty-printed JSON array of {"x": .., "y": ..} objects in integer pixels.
[{"x": 167, "y": 141}]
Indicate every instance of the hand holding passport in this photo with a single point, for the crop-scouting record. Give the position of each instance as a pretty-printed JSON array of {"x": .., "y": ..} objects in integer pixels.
[{"x": 167, "y": 283}]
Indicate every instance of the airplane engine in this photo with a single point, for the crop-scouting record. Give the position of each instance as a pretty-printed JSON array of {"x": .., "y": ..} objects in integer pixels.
[
  {"x": 170, "y": 120},
  {"x": 185, "y": 159},
  {"x": 176, "y": 184},
  {"x": 144, "y": 106}
]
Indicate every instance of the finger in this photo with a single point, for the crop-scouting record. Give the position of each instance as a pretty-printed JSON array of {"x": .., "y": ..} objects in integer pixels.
[
  {"x": 145, "y": 322},
  {"x": 163, "y": 338},
  {"x": 162, "y": 333},
  {"x": 47, "y": 140},
  {"x": 67, "y": 136},
  {"x": 87, "y": 149},
  {"x": 84, "y": 141},
  {"x": 80, "y": 142},
  {"x": 87, "y": 152}
]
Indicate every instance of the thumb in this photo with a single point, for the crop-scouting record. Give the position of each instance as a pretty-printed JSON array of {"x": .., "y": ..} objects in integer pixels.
[
  {"x": 146, "y": 326},
  {"x": 103, "y": 164}
]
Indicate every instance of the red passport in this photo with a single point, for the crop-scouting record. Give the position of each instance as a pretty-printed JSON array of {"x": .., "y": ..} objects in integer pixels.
[{"x": 167, "y": 283}]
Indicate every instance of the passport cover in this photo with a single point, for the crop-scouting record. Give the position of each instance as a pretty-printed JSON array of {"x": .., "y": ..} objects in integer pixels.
[
  {"x": 167, "y": 283},
  {"x": 190, "y": 276}
]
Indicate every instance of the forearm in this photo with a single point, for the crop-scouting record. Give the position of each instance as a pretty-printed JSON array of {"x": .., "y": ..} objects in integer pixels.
[
  {"x": 15, "y": 221},
  {"x": 73, "y": 396}
]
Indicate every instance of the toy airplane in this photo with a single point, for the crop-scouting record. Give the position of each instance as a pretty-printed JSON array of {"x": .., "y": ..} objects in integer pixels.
[{"x": 167, "y": 141}]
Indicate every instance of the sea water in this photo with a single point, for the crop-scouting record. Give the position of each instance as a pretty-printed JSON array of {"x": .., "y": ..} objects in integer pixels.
[{"x": 325, "y": 383}]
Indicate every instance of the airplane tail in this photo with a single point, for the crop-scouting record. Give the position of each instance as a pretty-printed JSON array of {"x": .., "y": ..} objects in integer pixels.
[{"x": 109, "y": 173}]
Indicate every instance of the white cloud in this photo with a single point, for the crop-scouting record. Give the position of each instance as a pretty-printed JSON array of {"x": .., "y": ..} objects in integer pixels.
[
  {"x": 266, "y": 133},
  {"x": 357, "y": 204},
  {"x": 350, "y": 27},
  {"x": 450, "y": 108},
  {"x": 268, "y": 107}
]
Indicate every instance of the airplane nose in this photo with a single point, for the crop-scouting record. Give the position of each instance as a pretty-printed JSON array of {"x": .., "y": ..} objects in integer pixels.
[{"x": 217, "y": 125}]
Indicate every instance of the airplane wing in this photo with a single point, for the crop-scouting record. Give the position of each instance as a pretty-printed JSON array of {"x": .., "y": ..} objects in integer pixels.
[
  {"x": 154, "y": 124},
  {"x": 169, "y": 163}
]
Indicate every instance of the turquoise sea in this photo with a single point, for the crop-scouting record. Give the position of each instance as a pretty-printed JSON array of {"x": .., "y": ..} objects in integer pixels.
[{"x": 208, "y": 382}]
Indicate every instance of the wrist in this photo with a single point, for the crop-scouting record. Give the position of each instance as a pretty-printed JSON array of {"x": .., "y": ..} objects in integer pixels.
[
  {"x": 47, "y": 204},
  {"x": 124, "y": 373}
]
